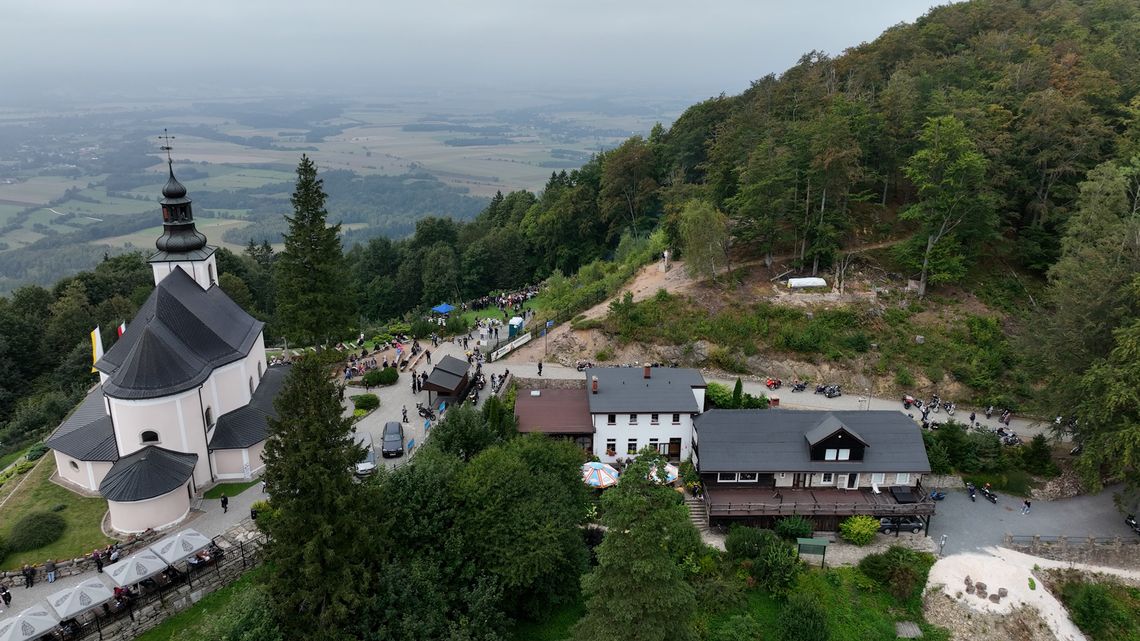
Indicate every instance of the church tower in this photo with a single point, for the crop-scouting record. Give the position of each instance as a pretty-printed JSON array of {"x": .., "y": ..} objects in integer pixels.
[{"x": 181, "y": 244}]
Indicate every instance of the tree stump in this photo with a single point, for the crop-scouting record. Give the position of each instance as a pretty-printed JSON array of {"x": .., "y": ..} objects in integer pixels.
[
  {"x": 995, "y": 598},
  {"x": 969, "y": 588},
  {"x": 981, "y": 594},
  {"x": 980, "y": 586},
  {"x": 1003, "y": 593},
  {"x": 969, "y": 581}
]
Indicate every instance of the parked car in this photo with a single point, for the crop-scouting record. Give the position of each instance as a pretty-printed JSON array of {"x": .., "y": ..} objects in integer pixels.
[
  {"x": 392, "y": 442},
  {"x": 890, "y": 524},
  {"x": 367, "y": 464}
]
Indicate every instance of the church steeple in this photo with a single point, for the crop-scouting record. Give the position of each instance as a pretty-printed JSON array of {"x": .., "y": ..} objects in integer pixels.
[
  {"x": 178, "y": 232},
  {"x": 181, "y": 245}
]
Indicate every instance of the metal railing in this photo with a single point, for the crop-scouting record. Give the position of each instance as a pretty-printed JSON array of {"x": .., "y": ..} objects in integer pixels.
[
  {"x": 95, "y": 622},
  {"x": 813, "y": 508}
]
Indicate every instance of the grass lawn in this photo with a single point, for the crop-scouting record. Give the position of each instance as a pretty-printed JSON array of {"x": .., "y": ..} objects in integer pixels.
[
  {"x": 9, "y": 459},
  {"x": 39, "y": 494},
  {"x": 555, "y": 628},
  {"x": 1104, "y": 611},
  {"x": 230, "y": 489},
  {"x": 1015, "y": 482},
  {"x": 187, "y": 623}
]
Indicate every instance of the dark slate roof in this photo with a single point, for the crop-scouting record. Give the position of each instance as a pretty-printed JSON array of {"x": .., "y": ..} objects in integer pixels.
[
  {"x": 444, "y": 382},
  {"x": 827, "y": 426},
  {"x": 249, "y": 425},
  {"x": 166, "y": 257},
  {"x": 625, "y": 389},
  {"x": 453, "y": 365},
  {"x": 87, "y": 434},
  {"x": 774, "y": 441},
  {"x": 180, "y": 334},
  {"x": 147, "y": 473}
]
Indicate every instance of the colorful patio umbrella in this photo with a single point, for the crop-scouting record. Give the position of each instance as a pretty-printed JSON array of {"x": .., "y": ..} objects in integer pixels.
[
  {"x": 597, "y": 474},
  {"x": 135, "y": 568},
  {"x": 177, "y": 547},
  {"x": 671, "y": 473},
  {"x": 32, "y": 623},
  {"x": 442, "y": 308},
  {"x": 74, "y": 601}
]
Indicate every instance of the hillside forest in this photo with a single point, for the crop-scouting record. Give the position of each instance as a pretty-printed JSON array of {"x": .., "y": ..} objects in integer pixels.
[{"x": 991, "y": 148}]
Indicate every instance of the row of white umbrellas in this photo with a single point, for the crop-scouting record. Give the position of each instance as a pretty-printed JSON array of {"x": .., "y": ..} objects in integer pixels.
[
  {"x": 602, "y": 475},
  {"x": 41, "y": 619}
]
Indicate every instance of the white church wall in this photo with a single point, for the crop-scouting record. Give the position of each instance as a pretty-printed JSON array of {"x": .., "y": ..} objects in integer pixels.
[
  {"x": 158, "y": 513},
  {"x": 204, "y": 272},
  {"x": 229, "y": 386},
  {"x": 178, "y": 420},
  {"x": 84, "y": 474}
]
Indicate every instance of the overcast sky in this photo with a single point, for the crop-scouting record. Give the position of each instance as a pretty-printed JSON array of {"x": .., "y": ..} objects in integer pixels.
[{"x": 677, "y": 48}]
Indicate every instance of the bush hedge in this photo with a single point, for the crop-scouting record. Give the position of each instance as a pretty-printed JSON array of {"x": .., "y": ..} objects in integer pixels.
[
  {"x": 745, "y": 542},
  {"x": 802, "y": 618},
  {"x": 794, "y": 527},
  {"x": 860, "y": 529},
  {"x": 366, "y": 402},
  {"x": 35, "y": 531},
  {"x": 36, "y": 451},
  {"x": 901, "y": 571},
  {"x": 379, "y": 377}
]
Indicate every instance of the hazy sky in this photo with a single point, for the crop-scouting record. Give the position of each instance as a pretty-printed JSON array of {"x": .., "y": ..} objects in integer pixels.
[{"x": 357, "y": 47}]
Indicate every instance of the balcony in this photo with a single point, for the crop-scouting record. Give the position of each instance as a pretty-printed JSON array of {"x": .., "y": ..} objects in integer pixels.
[{"x": 728, "y": 502}]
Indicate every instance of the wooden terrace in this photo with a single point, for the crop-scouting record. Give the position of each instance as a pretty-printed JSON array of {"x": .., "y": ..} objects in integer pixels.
[{"x": 722, "y": 502}]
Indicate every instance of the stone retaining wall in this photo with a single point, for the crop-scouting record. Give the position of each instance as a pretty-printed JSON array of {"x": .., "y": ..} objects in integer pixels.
[
  {"x": 942, "y": 481},
  {"x": 548, "y": 383},
  {"x": 1116, "y": 552}
]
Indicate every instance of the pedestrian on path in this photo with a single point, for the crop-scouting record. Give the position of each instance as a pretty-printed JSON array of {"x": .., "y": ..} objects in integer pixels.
[
  {"x": 428, "y": 354},
  {"x": 98, "y": 559},
  {"x": 5, "y": 595},
  {"x": 973, "y": 415},
  {"x": 225, "y": 504},
  {"x": 1025, "y": 507},
  {"x": 540, "y": 368},
  {"x": 49, "y": 570},
  {"x": 405, "y": 411},
  {"x": 29, "y": 576}
]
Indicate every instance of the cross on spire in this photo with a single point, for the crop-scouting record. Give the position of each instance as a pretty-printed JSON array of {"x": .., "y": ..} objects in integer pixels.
[{"x": 168, "y": 145}]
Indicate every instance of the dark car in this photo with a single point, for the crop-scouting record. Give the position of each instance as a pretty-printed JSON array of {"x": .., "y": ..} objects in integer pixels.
[
  {"x": 392, "y": 443},
  {"x": 890, "y": 524}
]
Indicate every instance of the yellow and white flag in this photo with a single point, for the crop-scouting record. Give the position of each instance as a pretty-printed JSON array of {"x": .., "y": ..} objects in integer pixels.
[{"x": 96, "y": 348}]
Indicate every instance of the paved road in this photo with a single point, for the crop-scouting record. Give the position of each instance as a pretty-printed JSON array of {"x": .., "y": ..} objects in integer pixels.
[{"x": 971, "y": 526}]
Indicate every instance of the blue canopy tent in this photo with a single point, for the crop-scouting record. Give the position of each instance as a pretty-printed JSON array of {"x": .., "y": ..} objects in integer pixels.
[{"x": 442, "y": 308}]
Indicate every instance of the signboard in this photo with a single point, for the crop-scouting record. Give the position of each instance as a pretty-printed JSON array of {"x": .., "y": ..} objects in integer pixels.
[
  {"x": 506, "y": 349},
  {"x": 813, "y": 546}
]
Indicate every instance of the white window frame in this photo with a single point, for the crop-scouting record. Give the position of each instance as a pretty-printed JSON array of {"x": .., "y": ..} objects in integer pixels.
[
  {"x": 830, "y": 455},
  {"x": 676, "y": 419},
  {"x": 902, "y": 478},
  {"x": 654, "y": 419},
  {"x": 828, "y": 478},
  {"x": 878, "y": 478},
  {"x": 726, "y": 477},
  {"x": 611, "y": 419},
  {"x": 633, "y": 419},
  {"x": 755, "y": 477},
  {"x": 609, "y": 442},
  {"x": 844, "y": 455},
  {"x": 631, "y": 444}
]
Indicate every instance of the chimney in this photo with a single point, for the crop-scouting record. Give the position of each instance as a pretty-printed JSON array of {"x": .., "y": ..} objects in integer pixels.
[
  {"x": 595, "y": 385},
  {"x": 646, "y": 371}
]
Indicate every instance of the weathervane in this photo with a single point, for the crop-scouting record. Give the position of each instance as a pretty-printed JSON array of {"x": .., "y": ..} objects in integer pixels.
[{"x": 168, "y": 139}]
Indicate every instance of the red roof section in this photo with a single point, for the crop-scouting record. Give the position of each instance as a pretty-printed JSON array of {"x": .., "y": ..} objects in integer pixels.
[{"x": 554, "y": 411}]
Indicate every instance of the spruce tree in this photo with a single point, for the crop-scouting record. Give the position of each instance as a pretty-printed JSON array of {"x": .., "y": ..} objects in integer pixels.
[
  {"x": 313, "y": 304},
  {"x": 317, "y": 528}
]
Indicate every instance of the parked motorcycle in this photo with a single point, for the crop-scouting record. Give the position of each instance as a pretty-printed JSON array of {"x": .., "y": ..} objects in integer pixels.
[
  {"x": 949, "y": 407},
  {"x": 821, "y": 388},
  {"x": 774, "y": 383},
  {"x": 425, "y": 412},
  {"x": 989, "y": 494},
  {"x": 907, "y": 401},
  {"x": 832, "y": 391},
  {"x": 989, "y": 411},
  {"x": 1130, "y": 521},
  {"x": 937, "y": 496},
  {"x": 973, "y": 492},
  {"x": 582, "y": 366},
  {"x": 799, "y": 387}
]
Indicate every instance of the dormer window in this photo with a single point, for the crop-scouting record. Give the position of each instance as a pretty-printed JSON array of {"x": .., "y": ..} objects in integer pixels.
[{"x": 149, "y": 436}]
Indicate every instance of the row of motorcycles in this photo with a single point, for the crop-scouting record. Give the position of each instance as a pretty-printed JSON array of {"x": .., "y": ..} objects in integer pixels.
[
  {"x": 986, "y": 492},
  {"x": 935, "y": 404},
  {"x": 830, "y": 391}
]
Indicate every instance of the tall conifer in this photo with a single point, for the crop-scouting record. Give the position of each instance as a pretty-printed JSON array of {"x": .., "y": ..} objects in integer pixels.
[{"x": 313, "y": 304}]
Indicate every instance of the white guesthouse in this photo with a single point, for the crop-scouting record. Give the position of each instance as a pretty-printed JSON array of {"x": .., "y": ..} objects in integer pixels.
[
  {"x": 183, "y": 396},
  {"x": 631, "y": 408}
]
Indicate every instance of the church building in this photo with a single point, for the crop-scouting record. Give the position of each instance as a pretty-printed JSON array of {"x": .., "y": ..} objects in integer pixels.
[{"x": 184, "y": 394}]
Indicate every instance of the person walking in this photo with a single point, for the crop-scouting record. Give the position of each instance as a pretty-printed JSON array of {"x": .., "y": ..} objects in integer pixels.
[
  {"x": 49, "y": 570},
  {"x": 6, "y": 596},
  {"x": 98, "y": 559},
  {"x": 540, "y": 368},
  {"x": 1025, "y": 507},
  {"x": 29, "y": 576},
  {"x": 405, "y": 411},
  {"x": 427, "y": 353},
  {"x": 225, "y": 504},
  {"x": 973, "y": 415}
]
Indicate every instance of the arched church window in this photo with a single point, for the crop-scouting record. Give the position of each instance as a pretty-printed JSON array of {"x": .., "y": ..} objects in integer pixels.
[
  {"x": 251, "y": 386},
  {"x": 209, "y": 417},
  {"x": 74, "y": 466},
  {"x": 260, "y": 369},
  {"x": 210, "y": 269},
  {"x": 149, "y": 436}
]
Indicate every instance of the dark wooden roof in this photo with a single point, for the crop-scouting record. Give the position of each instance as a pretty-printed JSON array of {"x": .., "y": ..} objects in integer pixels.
[
  {"x": 448, "y": 377},
  {"x": 554, "y": 411},
  {"x": 86, "y": 434}
]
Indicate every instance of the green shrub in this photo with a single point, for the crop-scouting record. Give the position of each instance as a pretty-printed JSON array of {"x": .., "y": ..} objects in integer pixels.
[
  {"x": 745, "y": 542},
  {"x": 23, "y": 467},
  {"x": 740, "y": 627},
  {"x": 899, "y": 570},
  {"x": 389, "y": 376},
  {"x": 794, "y": 527},
  {"x": 1037, "y": 457},
  {"x": 35, "y": 531},
  {"x": 604, "y": 354},
  {"x": 689, "y": 473},
  {"x": 728, "y": 361},
  {"x": 59, "y": 507},
  {"x": 860, "y": 529},
  {"x": 36, "y": 451},
  {"x": 802, "y": 619},
  {"x": 858, "y": 342},
  {"x": 903, "y": 377},
  {"x": 777, "y": 568},
  {"x": 366, "y": 402},
  {"x": 422, "y": 327},
  {"x": 719, "y": 395},
  {"x": 1094, "y": 609}
]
